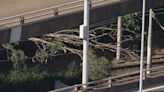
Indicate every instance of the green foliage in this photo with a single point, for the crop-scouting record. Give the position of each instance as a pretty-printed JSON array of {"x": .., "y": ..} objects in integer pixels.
[
  {"x": 41, "y": 56},
  {"x": 99, "y": 68},
  {"x": 132, "y": 22},
  {"x": 20, "y": 72},
  {"x": 16, "y": 56},
  {"x": 73, "y": 70},
  {"x": 8, "y": 47},
  {"x": 54, "y": 47},
  {"x": 16, "y": 76},
  {"x": 45, "y": 51}
]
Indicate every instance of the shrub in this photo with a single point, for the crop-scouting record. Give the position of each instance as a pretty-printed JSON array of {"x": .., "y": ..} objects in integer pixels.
[
  {"x": 20, "y": 72},
  {"x": 33, "y": 75},
  {"x": 73, "y": 70},
  {"x": 99, "y": 68}
]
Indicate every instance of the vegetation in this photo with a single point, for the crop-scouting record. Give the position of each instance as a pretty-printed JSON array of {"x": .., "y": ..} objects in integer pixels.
[
  {"x": 99, "y": 67},
  {"x": 132, "y": 22},
  {"x": 20, "y": 73},
  {"x": 16, "y": 56},
  {"x": 46, "y": 50},
  {"x": 73, "y": 70},
  {"x": 24, "y": 78}
]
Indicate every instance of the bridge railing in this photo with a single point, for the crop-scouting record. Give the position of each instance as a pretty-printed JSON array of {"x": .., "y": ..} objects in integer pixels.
[
  {"x": 50, "y": 12},
  {"x": 116, "y": 80}
]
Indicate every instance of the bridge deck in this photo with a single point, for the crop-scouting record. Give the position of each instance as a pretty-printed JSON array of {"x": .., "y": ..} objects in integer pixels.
[
  {"x": 14, "y": 7},
  {"x": 102, "y": 12}
]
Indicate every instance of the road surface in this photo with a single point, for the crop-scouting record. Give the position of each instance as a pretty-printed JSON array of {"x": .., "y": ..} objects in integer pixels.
[{"x": 14, "y": 7}]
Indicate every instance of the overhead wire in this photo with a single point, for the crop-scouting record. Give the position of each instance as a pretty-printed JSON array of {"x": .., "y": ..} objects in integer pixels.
[{"x": 157, "y": 21}]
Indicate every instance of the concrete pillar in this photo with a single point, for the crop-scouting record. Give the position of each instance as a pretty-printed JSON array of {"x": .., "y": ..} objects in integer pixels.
[{"x": 15, "y": 34}]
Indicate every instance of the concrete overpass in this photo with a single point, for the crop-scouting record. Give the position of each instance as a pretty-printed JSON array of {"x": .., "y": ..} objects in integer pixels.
[
  {"x": 57, "y": 15},
  {"x": 14, "y": 7}
]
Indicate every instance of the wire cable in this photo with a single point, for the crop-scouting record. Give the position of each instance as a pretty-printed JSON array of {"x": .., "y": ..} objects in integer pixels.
[{"x": 157, "y": 21}]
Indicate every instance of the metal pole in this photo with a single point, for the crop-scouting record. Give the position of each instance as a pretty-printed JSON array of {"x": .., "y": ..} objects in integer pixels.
[
  {"x": 149, "y": 43},
  {"x": 142, "y": 48},
  {"x": 118, "y": 39},
  {"x": 85, "y": 42}
]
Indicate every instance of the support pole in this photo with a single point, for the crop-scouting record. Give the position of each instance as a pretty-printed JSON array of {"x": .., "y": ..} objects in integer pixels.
[
  {"x": 118, "y": 52},
  {"x": 85, "y": 43},
  {"x": 148, "y": 65},
  {"x": 142, "y": 48}
]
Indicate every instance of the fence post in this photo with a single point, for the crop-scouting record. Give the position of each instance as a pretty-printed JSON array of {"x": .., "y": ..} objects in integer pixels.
[
  {"x": 21, "y": 20},
  {"x": 75, "y": 89},
  {"x": 110, "y": 82},
  {"x": 56, "y": 12}
]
